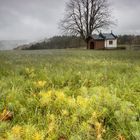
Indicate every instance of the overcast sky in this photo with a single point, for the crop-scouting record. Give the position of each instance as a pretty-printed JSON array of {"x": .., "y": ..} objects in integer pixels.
[{"x": 38, "y": 19}]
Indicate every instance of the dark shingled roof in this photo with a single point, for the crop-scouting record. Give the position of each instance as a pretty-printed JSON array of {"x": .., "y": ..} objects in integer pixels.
[
  {"x": 104, "y": 36},
  {"x": 97, "y": 37}
]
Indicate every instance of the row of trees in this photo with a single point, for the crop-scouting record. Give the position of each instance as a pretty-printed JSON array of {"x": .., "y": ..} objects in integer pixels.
[
  {"x": 129, "y": 39},
  {"x": 64, "y": 42},
  {"x": 56, "y": 42}
]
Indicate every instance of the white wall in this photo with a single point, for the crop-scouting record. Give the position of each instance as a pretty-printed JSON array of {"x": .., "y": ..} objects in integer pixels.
[{"x": 114, "y": 45}]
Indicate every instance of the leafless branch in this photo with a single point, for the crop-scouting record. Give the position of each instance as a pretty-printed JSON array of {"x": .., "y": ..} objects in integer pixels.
[{"x": 83, "y": 17}]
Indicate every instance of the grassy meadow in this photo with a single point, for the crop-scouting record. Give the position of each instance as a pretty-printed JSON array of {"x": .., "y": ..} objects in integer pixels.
[{"x": 69, "y": 95}]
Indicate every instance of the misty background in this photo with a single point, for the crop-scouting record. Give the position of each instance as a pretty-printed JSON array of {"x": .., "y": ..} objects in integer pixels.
[{"x": 33, "y": 20}]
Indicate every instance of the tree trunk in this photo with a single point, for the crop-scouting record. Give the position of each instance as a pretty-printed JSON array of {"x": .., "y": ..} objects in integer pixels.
[{"x": 87, "y": 44}]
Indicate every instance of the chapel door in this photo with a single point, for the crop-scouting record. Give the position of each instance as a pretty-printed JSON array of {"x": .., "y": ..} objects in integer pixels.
[{"x": 92, "y": 45}]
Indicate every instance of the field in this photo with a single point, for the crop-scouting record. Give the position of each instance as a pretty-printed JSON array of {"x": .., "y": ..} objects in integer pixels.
[{"x": 69, "y": 95}]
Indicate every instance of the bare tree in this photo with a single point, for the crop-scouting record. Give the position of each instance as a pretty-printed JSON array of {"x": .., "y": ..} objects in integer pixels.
[{"x": 83, "y": 17}]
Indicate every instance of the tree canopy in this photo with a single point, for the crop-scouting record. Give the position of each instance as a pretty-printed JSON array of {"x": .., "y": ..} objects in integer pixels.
[{"x": 83, "y": 17}]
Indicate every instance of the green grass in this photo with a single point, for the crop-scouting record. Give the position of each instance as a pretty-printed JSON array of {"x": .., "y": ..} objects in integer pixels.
[{"x": 69, "y": 95}]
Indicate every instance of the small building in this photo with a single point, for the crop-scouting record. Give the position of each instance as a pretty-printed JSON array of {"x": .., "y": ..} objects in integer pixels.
[{"x": 102, "y": 41}]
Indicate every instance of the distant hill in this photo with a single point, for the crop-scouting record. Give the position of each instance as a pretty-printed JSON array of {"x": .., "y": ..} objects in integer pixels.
[
  {"x": 56, "y": 42},
  {"x": 11, "y": 44},
  {"x": 64, "y": 42}
]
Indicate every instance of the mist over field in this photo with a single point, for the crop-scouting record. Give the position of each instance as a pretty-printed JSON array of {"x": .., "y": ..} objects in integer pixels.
[{"x": 11, "y": 44}]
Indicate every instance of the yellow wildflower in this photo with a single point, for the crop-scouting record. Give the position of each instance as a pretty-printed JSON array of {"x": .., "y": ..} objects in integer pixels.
[
  {"x": 82, "y": 102},
  {"x": 51, "y": 127},
  {"x": 40, "y": 84},
  {"x": 17, "y": 130},
  {"x": 94, "y": 115},
  {"x": 37, "y": 136},
  {"x": 71, "y": 102},
  {"x": 60, "y": 95},
  {"x": 52, "y": 123},
  {"x": 52, "y": 117},
  {"x": 65, "y": 113},
  {"x": 45, "y": 98}
]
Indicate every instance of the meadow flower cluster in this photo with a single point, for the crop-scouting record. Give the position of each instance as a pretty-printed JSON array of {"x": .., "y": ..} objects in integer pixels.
[{"x": 46, "y": 102}]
